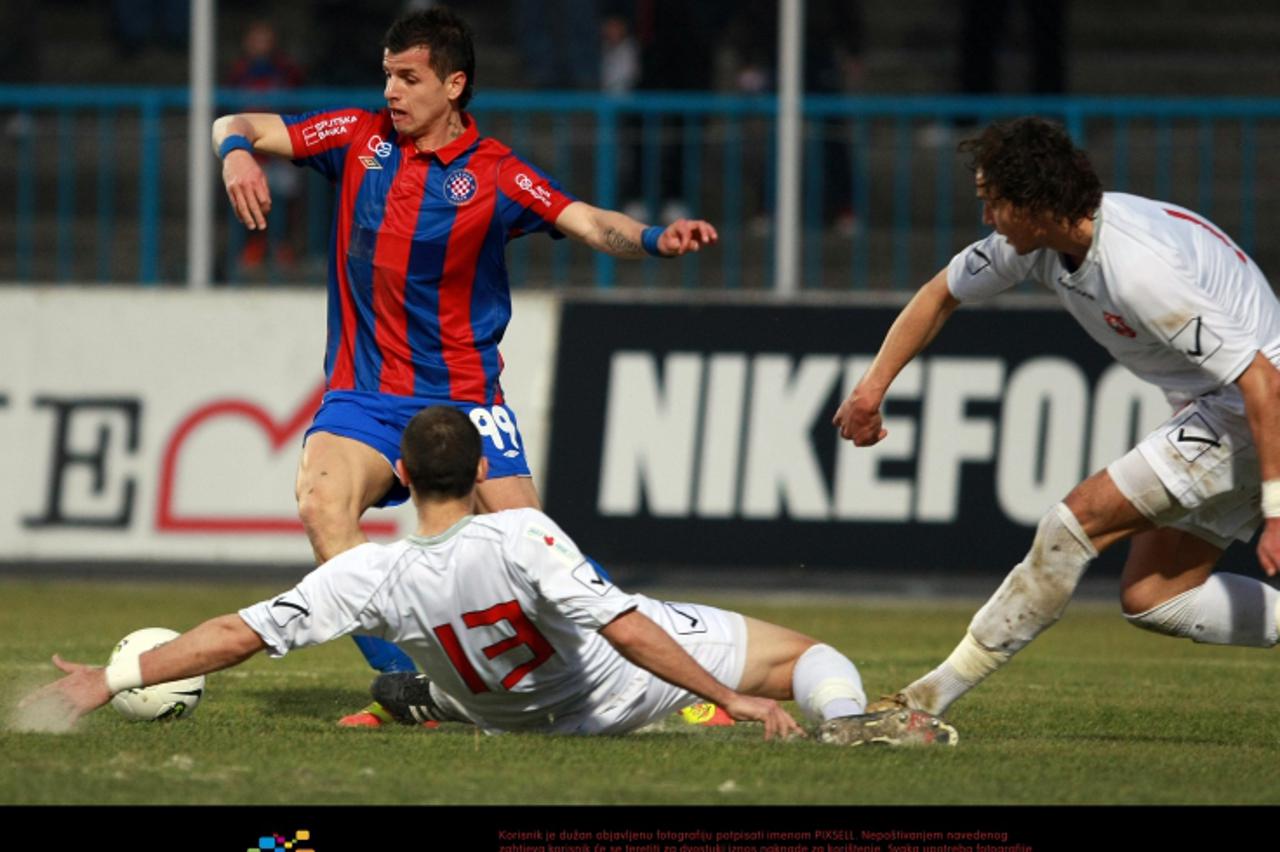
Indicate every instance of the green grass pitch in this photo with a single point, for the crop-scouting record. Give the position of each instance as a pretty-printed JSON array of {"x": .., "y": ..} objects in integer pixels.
[{"x": 1094, "y": 712}]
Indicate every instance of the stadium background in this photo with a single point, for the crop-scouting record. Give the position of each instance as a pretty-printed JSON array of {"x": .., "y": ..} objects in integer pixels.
[{"x": 676, "y": 412}]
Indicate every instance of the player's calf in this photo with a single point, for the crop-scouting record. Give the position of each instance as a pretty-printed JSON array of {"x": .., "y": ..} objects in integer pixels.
[
  {"x": 1031, "y": 598},
  {"x": 826, "y": 684}
]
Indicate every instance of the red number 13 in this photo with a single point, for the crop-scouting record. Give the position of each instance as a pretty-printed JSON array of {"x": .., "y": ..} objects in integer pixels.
[{"x": 526, "y": 635}]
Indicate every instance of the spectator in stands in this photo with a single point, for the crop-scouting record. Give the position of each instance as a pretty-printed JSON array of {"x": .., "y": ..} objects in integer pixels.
[
  {"x": 263, "y": 66},
  {"x": 619, "y": 56}
]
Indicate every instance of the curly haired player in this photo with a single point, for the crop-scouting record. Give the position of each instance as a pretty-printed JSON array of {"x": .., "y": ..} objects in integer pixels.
[{"x": 1173, "y": 299}]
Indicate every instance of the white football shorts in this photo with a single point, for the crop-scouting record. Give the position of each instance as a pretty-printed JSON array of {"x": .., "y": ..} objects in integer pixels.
[
  {"x": 1205, "y": 456},
  {"x": 716, "y": 638}
]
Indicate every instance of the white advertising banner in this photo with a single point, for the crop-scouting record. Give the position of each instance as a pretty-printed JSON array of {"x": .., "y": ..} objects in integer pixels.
[{"x": 167, "y": 425}]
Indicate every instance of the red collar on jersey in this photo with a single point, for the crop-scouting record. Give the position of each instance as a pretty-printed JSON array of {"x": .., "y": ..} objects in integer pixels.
[{"x": 446, "y": 154}]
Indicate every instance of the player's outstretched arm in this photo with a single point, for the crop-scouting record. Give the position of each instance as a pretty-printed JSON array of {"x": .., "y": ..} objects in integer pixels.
[
  {"x": 858, "y": 417},
  {"x": 640, "y": 640},
  {"x": 621, "y": 236},
  {"x": 1260, "y": 387},
  {"x": 235, "y": 139},
  {"x": 216, "y": 644}
]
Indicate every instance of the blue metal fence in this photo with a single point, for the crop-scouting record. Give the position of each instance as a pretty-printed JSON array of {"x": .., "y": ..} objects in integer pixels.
[{"x": 97, "y": 179}]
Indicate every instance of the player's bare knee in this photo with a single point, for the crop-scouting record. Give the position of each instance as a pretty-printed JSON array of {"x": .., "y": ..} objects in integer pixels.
[
  {"x": 1171, "y": 617},
  {"x": 1135, "y": 599},
  {"x": 329, "y": 523},
  {"x": 772, "y": 652}
]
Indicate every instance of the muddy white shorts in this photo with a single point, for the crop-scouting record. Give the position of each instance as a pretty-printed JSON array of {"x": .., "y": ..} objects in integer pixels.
[{"x": 1205, "y": 456}]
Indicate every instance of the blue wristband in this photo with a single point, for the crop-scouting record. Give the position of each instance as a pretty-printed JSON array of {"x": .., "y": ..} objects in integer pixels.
[
  {"x": 649, "y": 239},
  {"x": 234, "y": 142}
]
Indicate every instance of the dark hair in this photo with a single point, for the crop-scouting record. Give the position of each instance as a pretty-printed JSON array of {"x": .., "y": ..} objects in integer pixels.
[
  {"x": 447, "y": 39},
  {"x": 441, "y": 451},
  {"x": 1033, "y": 164}
]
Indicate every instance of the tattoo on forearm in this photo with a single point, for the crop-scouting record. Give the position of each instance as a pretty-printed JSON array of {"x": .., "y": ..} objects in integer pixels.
[{"x": 618, "y": 243}]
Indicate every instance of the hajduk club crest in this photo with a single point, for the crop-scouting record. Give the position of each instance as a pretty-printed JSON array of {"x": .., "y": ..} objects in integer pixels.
[{"x": 460, "y": 186}]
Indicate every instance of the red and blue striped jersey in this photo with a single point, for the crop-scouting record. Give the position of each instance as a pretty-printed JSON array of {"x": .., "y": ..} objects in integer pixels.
[{"x": 418, "y": 291}]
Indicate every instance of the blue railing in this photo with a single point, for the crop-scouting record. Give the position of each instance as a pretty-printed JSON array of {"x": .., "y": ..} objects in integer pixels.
[{"x": 98, "y": 179}]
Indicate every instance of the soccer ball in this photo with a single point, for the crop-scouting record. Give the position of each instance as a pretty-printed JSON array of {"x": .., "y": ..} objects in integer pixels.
[{"x": 163, "y": 700}]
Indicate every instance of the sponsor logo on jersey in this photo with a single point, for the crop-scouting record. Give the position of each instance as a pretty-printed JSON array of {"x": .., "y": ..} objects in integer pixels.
[
  {"x": 460, "y": 186},
  {"x": 565, "y": 553},
  {"x": 541, "y": 193},
  {"x": 380, "y": 148},
  {"x": 339, "y": 125},
  {"x": 1118, "y": 325},
  {"x": 377, "y": 145}
]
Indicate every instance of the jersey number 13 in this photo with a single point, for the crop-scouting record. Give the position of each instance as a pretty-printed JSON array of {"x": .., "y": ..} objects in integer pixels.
[{"x": 525, "y": 634}]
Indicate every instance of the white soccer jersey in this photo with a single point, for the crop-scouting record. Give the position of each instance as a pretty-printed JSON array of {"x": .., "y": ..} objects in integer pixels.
[
  {"x": 1164, "y": 290},
  {"x": 501, "y": 611}
]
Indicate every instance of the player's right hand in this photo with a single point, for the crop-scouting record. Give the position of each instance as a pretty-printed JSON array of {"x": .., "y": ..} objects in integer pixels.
[
  {"x": 59, "y": 704},
  {"x": 777, "y": 722},
  {"x": 246, "y": 185},
  {"x": 858, "y": 419}
]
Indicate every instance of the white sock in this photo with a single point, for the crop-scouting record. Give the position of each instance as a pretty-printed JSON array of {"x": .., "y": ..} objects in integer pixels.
[
  {"x": 1031, "y": 598},
  {"x": 1227, "y": 609},
  {"x": 826, "y": 684},
  {"x": 968, "y": 664}
]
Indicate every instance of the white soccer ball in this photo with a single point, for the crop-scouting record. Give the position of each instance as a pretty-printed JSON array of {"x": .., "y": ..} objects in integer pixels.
[{"x": 171, "y": 700}]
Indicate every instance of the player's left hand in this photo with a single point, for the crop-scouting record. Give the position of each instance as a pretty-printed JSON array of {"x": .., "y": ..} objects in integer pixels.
[
  {"x": 59, "y": 704},
  {"x": 1269, "y": 547},
  {"x": 686, "y": 235},
  {"x": 777, "y": 722}
]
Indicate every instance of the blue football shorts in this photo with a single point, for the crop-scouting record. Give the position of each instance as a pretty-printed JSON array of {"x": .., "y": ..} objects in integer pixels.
[{"x": 378, "y": 420}]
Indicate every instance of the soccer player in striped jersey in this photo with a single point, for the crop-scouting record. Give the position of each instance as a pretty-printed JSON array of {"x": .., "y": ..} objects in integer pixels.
[{"x": 418, "y": 290}]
